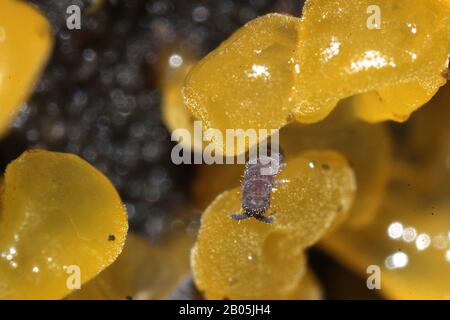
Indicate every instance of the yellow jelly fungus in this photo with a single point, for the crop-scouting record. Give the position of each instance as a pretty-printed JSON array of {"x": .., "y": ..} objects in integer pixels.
[
  {"x": 367, "y": 148},
  {"x": 409, "y": 242},
  {"x": 143, "y": 271},
  {"x": 25, "y": 45},
  {"x": 395, "y": 51},
  {"x": 253, "y": 260},
  {"x": 340, "y": 131},
  {"x": 60, "y": 218},
  {"x": 246, "y": 82},
  {"x": 277, "y": 67},
  {"x": 428, "y": 143}
]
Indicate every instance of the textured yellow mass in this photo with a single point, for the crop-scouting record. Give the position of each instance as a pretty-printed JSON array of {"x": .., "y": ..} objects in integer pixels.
[
  {"x": 277, "y": 67},
  {"x": 56, "y": 211},
  {"x": 245, "y": 83},
  {"x": 253, "y": 260},
  {"x": 25, "y": 43},
  {"x": 399, "y": 65}
]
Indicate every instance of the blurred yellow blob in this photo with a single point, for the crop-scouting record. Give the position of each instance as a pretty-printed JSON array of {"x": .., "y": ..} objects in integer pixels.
[
  {"x": 25, "y": 45},
  {"x": 205, "y": 189},
  {"x": 95, "y": 6},
  {"x": 59, "y": 218},
  {"x": 175, "y": 114},
  {"x": 409, "y": 242},
  {"x": 392, "y": 51},
  {"x": 142, "y": 271},
  {"x": 309, "y": 288},
  {"x": 249, "y": 259},
  {"x": 428, "y": 144}
]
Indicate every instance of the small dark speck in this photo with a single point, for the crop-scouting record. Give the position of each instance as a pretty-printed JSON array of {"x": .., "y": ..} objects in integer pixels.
[
  {"x": 129, "y": 297},
  {"x": 111, "y": 237},
  {"x": 325, "y": 167},
  {"x": 409, "y": 184}
]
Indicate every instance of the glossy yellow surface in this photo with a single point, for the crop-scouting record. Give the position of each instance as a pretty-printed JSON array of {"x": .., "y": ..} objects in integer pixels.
[
  {"x": 400, "y": 64},
  {"x": 248, "y": 259},
  {"x": 246, "y": 82},
  {"x": 56, "y": 211},
  {"x": 25, "y": 45},
  {"x": 143, "y": 271},
  {"x": 278, "y": 67}
]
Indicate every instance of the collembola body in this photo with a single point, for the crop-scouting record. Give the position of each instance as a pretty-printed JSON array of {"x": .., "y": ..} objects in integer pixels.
[{"x": 257, "y": 184}]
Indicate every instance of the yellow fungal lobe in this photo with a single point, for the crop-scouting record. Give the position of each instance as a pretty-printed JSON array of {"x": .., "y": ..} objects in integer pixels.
[
  {"x": 366, "y": 146},
  {"x": 25, "y": 45},
  {"x": 253, "y": 260},
  {"x": 278, "y": 68},
  {"x": 57, "y": 213},
  {"x": 245, "y": 83},
  {"x": 342, "y": 132},
  {"x": 391, "y": 52}
]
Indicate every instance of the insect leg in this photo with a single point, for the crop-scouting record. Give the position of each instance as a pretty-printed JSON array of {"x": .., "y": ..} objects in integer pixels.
[
  {"x": 264, "y": 219},
  {"x": 237, "y": 216}
]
